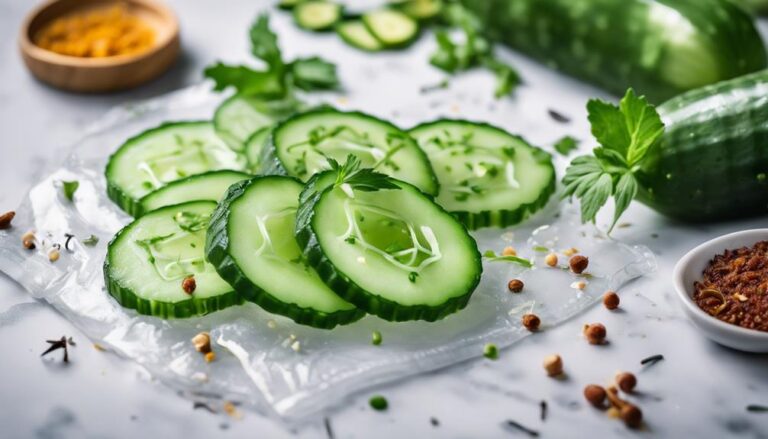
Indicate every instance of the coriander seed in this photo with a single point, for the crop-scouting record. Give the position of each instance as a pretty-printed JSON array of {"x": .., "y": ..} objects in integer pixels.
[
  {"x": 188, "y": 284},
  {"x": 531, "y": 322},
  {"x": 611, "y": 300},
  {"x": 578, "y": 263},
  {"x": 551, "y": 260},
  {"x": 595, "y": 333},
  {"x": 515, "y": 285},
  {"x": 6, "y": 219},
  {"x": 553, "y": 364},
  {"x": 509, "y": 251},
  {"x": 626, "y": 381},
  {"x": 595, "y": 395}
]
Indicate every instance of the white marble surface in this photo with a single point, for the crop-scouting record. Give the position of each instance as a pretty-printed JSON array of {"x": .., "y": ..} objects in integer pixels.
[{"x": 700, "y": 390}]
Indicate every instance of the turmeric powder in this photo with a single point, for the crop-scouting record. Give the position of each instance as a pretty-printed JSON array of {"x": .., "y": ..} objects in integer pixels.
[{"x": 96, "y": 34}]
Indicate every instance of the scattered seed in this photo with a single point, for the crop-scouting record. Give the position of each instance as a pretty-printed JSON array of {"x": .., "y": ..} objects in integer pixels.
[
  {"x": 271, "y": 324},
  {"x": 626, "y": 381},
  {"x": 28, "y": 240},
  {"x": 99, "y": 347},
  {"x": 188, "y": 284},
  {"x": 376, "y": 338},
  {"x": 595, "y": 333},
  {"x": 54, "y": 255},
  {"x": 515, "y": 285},
  {"x": 611, "y": 300},
  {"x": 210, "y": 357},
  {"x": 632, "y": 416},
  {"x": 570, "y": 251},
  {"x": 578, "y": 263},
  {"x": 579, "y": 285},
  {"x": 231, "y": 410},
  {"x": 490, "y": 351},
  {"x": 521, "y": 427},
  {"x": 6, "y": 219},
  {"x": 551, "y": 260},
  {"x": 434, "y": 421},
  {"x": 296, "y": 346},
  {"x": 202, "y": 342},
  {"x": 509, "y": 251},
  {"x": 378, "y": 402},
  {"x": 531, "y": 322},
  {"x": 553, "y": 364},
  {"x": 595, "y": 395}
]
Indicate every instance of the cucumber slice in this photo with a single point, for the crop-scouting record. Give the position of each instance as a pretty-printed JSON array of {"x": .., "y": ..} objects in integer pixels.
[
  {"x": 392, "y": 253},
  {"x": 161, "y": 155},
  {"x": 254, "y": 147},
  {"x": 238, "y": 117},
  {"x": 488, "y": 177},
  {"x": 317, "y": 15},
  {"x": 354, "y": 33},
  {"x": 302, "y": 145},
  {"x": 392, "y": 28},
  {"x": 421, "y": 9},
  {"x": 209, "y": 186},
  {"x": 149, "y": 259},
  {"x": 251, "y": 244}
]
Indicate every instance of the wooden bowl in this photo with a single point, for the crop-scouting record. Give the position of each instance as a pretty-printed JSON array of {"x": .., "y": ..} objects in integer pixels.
[{"x": 101, "y": 74}]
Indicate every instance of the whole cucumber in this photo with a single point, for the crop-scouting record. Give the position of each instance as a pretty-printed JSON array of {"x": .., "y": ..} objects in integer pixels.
[
  {"x": 659, "y": 47},
  {"x": 712, "y": 161}
]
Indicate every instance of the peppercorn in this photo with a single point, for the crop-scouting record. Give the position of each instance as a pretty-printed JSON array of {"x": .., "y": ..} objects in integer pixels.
[
  {"x": 551, "y": 260},
  {"x": 631, "y": 415},
  {"x": 611, "y": 300},
  {"x": 515, "y": 285},
  {"x": 626, "y": 381},
  {"x": 531, "y": 322},
  {"x": 578, "y": 264},
  {"x": 595, "y": 395},
  {"x": 595, "y": 333},
  {"x": 553, "y": 364},
  {"x": 189, "y": 284}
]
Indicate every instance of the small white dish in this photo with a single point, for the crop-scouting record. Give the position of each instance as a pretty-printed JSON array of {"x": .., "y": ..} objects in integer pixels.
[{"x": 689, "y": 269}]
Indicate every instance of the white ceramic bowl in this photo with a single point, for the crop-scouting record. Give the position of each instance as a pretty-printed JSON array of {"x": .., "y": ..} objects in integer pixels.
[{"x": 689, "y": 269}]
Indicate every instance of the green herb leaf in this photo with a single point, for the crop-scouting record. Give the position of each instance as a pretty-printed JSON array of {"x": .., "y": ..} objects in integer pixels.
[
  {"x": 507, "y": 78},
  {"x": 246, "y": 80},
  {"x": 91, "y": 240},
  {"x": 490, "y": 351},
  {"x": 490, "y": 255},
  {"x": 364, "y": 179},
  {"x": 566, "y": 145},
  {"x": 314, "y": 74},
  {"x": 755, "y": 408},
  {"x": 376, "y": 338},
  {"x": 378, "y": 402},
  {"x": 625, "y": 192},
  {"x": 264, "y": 43},
  {"x": 69, "y": 188}
]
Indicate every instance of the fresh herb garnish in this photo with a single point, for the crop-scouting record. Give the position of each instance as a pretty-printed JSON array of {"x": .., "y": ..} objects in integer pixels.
[
  {"x": 540, "y": 249},
  {"x": 490, "y": 351},
  {"x": 473, "y": 51},
  {"x": 626, "y": 134},
  {"x": 278, "y": 78},
  {"x": 362, "y": 179},
  {"x": 191, "y": 222},
  {"x": 653, "y": 359},
  {"x": 61, "y": 343},
  {"x": 69, "y": 188},
  {"x": 91, "y": 240},
  {"x": 492, "y": 256},
  {"x": 755, "y": 408},
  {"x": 376, "y": 338},
  {"x": 566, "y": 145},
  {"x": 378, "y": 402}
]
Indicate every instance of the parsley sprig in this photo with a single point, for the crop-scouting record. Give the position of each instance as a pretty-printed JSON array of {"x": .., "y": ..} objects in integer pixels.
[
  {"x": 626, "y": 133},
  {"x": 279, "y": 77},
  {"x": 362, "y": 179}
]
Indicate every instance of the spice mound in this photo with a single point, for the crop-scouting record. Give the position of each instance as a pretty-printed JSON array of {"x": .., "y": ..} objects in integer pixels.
[
  {"x": 96, "y": 34},
  {"x": 734, "y": 287}
]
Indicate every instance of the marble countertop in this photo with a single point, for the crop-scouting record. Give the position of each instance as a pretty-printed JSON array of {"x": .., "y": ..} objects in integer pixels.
[{"x": 699, "y": 390}]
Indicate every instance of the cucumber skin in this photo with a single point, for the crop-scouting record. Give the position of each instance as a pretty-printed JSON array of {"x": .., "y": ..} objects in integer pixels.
[
  {"x": 272, "y": 165},
  {"x": 734, "y": 42},
  {"x": 504, "y": 217},
  {"x": 188, "y": 308},
  {"x": 348, "y": 290},
  {"x": 217, "y": 253},
  {"x": 714, "y": 154}
]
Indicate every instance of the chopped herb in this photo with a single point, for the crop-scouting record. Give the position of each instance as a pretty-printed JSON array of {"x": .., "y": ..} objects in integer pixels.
[
  {"x": 91, "y": 240},
  {"x": 350, "y": 239},
  {"x": 412, "y": 276},
  {"x": 378, "y": 402},
  {"x": 558, "y": 117},
  {"x": 543, "y": 410},
  {"x": 362, "y": 179},
  {"x": 430, "y": 88},
  {"x": 376, "y": 338},
  {"x": 653, "y": 359},
  {"x": 69, "y": 188},
  {"x": 69, "y": 237},
  {"x": 490, "y": 351},
  {"x": 566, "y": 145},
  {"x": 490, "y": 255},
  {"x": 755, "y": 408},
  {"x": 191, "y": 222},
  {"x": 58, "y": 344},
  {"x": 521, "y": 427},
  {"x": 314, "y": 74},
  {"x": 540, "y": 248}
]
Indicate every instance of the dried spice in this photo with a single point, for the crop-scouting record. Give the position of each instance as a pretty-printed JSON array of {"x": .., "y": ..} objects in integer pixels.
[
  {"x": 653, "y": 359},
  {"x": 611, "y": 300},
  {"x": 6, "y": 219},
  {"x": 515, "y": 285},
  {"x": 553, "y": 364},
  {"x": 755, "y": 408},
  {"x": 531, "y": 322},
  {"x": 543, "y": 410},
  {"x": 376, "y": 338},
  {"x": 558, "y": 117},
  {"x": 61, "y": 343},
  {"x": 189, "y": 284},
  {"x": 595, "y": 395},
  {"x": 518, "y": 426},
  {"x": 595, "y": 333},
  {"x": 69, "y": 237},
  {"x": 734, "y": 287},
  {"x": 626, "y": 381},
  {"x": 328, "y": 428},
  {"x": 490, "y": 351},
  {"x": 578, "y": 263}
]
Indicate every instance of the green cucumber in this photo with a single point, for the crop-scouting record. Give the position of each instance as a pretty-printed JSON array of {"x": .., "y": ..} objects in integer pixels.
[
  {"x": 754, "y": 6},
  {"x": 162, "y": 155},
  {"x": 288, "y": 4},
  {"x": 239, "y": 117},
  {"x": 660, "y": 48},
  {"x": 209, "y": 186},
  {"x": 254, "y": 147},
  {"x": 250, "y": 242},
  {"x": 302, "y": 145},
  {"x": 354, "y": 33},
  {"x": 488, "y": 177},
  {"x": 712, "y": 161},
  {"x": 317, "y": 15},
  {"x": 391, "y": 252},
  {"x": 148, "y": 260},
  {"x": 391, "y": 27}
]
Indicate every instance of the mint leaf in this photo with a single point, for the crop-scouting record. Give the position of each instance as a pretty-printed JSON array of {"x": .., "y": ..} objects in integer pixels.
[
  {"x": 507, "y": 78},
  {"x": 314, "y": 74},
  {"x": 608, "y": 125},
  {"x": 69, "y": 188},
  {"x": 566, "y": 145},
  {"x": 246, "y": 80},
  {"x": 264, "y": 43}
]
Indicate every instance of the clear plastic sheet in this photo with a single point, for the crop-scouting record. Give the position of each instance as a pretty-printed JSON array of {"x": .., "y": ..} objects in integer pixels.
[{"x": 255, "y": 364}]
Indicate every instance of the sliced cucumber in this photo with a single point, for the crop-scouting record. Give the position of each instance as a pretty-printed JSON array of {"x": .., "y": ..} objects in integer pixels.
[
  {"x": 392, "y": 28},
  {"x": 149, "y": 259},
  {"x": 392, "y": 253},
  {"x": 288, "y": 4},
  {"x": 421, "y": 9},
  {"x": 239, "y": 117},
  {"x": 302, "y": 145},
  {"x": 488, "y": 177},
  {"x": 251, "y": 244},
  {"x": 209, "y": 186},
  {"x": 159, "y": 156},
  {"x": 317, "y": 15},
  {"x": 254, "y": 147},
  {"x": 354, "y": 33}
]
